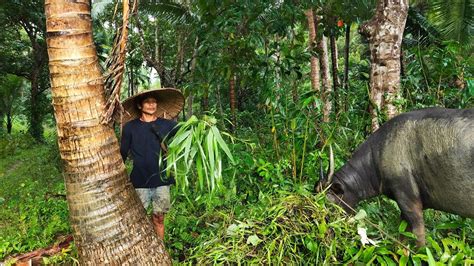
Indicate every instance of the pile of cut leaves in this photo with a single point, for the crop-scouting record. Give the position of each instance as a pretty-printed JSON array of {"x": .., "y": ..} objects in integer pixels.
[{"x": 294, "y": 228}]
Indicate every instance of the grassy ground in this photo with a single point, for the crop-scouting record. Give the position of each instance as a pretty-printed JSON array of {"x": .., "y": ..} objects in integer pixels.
[{"x": 33, "y": 210}]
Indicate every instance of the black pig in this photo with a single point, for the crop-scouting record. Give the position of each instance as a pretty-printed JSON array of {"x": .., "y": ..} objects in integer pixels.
[{"x": 421, "y": 159}]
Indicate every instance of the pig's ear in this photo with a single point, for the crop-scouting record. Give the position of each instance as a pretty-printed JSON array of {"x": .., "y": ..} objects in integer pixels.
[{"x": 337, "y": 188}]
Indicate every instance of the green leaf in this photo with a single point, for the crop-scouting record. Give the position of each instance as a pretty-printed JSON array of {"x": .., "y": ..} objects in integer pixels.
[
  {"x": 449, "y": 225},
  {"x": 222, "y": 144},
  {"x": 403, "y": 226},
  {"x": 254, "y": 240},
  {"x": 436, "y": 247},
  {"x": 403, "y": 260},
  {"x": 360, "y": 215},
  {"x": 431, "y": 260},
  {"x": 470, "y": 86}
]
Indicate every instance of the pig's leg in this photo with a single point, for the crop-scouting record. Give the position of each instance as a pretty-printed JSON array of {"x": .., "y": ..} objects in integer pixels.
[{"x": 412, "y": 211}]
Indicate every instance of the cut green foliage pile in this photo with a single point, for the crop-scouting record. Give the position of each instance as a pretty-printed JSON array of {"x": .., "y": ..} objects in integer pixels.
[{"x": 290, "y": 228}]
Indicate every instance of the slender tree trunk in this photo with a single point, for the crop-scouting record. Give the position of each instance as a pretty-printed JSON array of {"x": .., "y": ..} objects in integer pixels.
[
  {"x": 345, "y": 82},
  {"x": 190, "y": 99},
  {"x": 9, "y": 122},
  {"x": 35, "y": 118},
  {"x": 295, "y": 96},
  {"x": 384, "y": 33},
  {"x": 108, "y": 220},
  {"x": 219, "y": 100},
  {"x": 131, "y": 81},
  {"x": 205, "y": 99},
  {"x": 179, "y": 58},
  {"x": 277, "y": 69},
  {"x": 326, "y": 80},
  {"x": 335, "y": 70},
  {"x": 2, "y": 115},
  {"x": 402, "y": 63},
  {"x": 312, "y": 28},
  {"x": 39, "y": 61},
  {"x": 233, "y": 102}
]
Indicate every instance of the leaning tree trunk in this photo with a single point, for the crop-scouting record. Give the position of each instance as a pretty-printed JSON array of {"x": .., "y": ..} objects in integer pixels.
[
  {"x": 384, "y": 33},
  {"x": 312, "y": 28},
  {"x": 108, "y": 221},
  {"x": 326, "y": 80}
]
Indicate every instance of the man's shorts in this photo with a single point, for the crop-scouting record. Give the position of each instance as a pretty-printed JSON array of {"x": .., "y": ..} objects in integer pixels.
[{"x": 159, "y": 197}]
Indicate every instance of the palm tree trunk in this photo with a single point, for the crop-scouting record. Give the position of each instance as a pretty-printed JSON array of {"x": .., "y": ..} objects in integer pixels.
[
  {"x": 312, "y": 28},
  {"x": 326, "y": 80},
  {"x": 384, "y": 33},
  {"x": 108, "y": 221}
]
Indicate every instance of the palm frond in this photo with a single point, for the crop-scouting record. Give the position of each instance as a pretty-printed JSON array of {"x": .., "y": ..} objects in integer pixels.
[
  {"x": 421, "y": 29},
  {"x": 454, "y": 19},
  {"x": 169, "y": 10}
]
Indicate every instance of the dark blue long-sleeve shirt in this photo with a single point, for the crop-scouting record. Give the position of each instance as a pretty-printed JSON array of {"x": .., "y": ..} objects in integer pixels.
[{"x": 139, "y": 138}]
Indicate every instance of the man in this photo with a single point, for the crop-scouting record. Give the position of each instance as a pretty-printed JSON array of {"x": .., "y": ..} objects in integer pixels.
[{"x": 148, "y": 124}]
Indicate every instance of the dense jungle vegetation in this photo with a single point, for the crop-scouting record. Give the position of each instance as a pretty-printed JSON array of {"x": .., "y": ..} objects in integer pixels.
[{"x": 257, "y": 131}]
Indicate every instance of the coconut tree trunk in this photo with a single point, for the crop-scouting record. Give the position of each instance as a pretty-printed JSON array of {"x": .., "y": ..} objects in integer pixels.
[
  {"x": 108, "y": 221},
  {"x": 326, "y": 80},
  {"x": 312, "y": 28},
  {"x": 384, "y": 33}
]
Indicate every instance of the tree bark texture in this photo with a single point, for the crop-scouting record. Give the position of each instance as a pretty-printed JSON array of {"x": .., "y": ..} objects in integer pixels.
[
  {"x": 325, "y": 76},
  {"x": 108, "y": 220},
  {"x": 384, "y": 33},
  {"x": 312, "y": 28}
]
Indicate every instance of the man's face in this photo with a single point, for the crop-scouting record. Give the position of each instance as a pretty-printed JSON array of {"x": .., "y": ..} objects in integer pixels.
[{"x": 149, "y": 106}]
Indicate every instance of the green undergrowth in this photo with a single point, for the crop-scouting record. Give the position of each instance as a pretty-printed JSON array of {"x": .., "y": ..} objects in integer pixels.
[
  {"x": 33, "y": 209},
  {"x": 260, "y": 216}
]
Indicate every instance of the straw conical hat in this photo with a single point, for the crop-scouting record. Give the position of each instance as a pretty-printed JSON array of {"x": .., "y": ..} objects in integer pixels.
[{"x": 169, "y": 103}]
